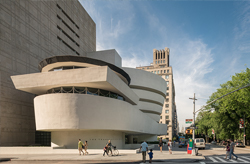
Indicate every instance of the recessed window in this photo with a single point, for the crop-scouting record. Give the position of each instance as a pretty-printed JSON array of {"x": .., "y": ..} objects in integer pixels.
[
  {"x": 167, "y": 76},
  {"x": 167, "y": 71},
  {"x": 167, "y": 94},
  {"x": 167, "y": 88},
  {"x": 158, "y": 72},
  {"x": 167, "y": 100},
  {"x": 163, "y": 61},
  {"x": 167, "y": 117},
  {"x": 164, "y": 71},
  {"x": 166, "y": 111},
  {"x": 166, "y": 105},
  {"x": 167, "y": 82},
  {"x": 155, "y": 62}
]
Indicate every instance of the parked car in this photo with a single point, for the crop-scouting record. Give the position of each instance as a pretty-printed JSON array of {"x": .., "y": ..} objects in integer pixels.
[
  {"x": 239, "y": 144},
  {"x": 199, "y": 143}
]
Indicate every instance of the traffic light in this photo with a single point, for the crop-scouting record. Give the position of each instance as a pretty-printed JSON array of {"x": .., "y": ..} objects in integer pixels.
[{"x": 189, "y": 131}]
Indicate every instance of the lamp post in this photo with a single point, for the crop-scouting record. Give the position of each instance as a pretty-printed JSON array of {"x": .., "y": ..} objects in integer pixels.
[{"x": 193, "y": 151}]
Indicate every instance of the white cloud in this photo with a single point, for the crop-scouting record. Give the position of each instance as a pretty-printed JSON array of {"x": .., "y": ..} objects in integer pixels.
[
  {"x": 134, "y": 61},
  {"x": 110, "y": 27},
  {"x": 191, "y": 60}
]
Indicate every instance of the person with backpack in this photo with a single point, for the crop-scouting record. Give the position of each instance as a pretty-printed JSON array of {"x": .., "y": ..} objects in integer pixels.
[{"x": 80, "y": 147}]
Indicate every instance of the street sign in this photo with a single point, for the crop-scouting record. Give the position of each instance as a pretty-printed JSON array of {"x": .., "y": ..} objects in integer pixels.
[{"x": 189, "y": 121}]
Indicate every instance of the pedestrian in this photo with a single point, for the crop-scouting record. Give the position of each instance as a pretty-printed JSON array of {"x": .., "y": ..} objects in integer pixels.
[
  {"x": 232, "y": 145},
  {"x": 80, "y": 146},
  {"x": 86, "y": 147},
  {"x": 105, "y": 150},
  {"x": 144, "y": 149},
  {"x": 150, "y": 155},
  {"x": 109, "y": 146},
  {"x": 160, "y": 144},
  {"x": 170, "y": 147},
  {"x": 174, "y": 143},
  {"x": 227, "y": 150}
]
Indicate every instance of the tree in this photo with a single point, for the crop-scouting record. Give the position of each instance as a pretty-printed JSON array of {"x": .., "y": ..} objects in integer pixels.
[{"x": 228, "y": 110}]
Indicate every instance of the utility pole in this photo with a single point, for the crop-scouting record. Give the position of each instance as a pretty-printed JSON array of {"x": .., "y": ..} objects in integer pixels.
[
  {"x": 244, "y": 131},
  {"x": 193, "y": 149}
]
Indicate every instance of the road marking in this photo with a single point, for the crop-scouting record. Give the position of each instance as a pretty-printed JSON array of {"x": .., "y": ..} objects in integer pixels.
[
  {"x": 212, "y": 159},
  {"x": 242, "y": 160},
  {"x": 202, "y": 163},
  {"x": 245, "y": 157},
  {"x": 220, "y": 159}
]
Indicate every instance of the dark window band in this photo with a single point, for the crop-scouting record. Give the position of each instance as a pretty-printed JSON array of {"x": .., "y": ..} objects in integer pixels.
[
  {"x": 86, "y": 90},
  {"x": 81, "y": 59}
]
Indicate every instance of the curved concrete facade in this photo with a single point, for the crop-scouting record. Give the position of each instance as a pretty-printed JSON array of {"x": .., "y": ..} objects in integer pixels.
[
  {"x": 150, "y": 89},
  {"x": 93, "y": 116}
]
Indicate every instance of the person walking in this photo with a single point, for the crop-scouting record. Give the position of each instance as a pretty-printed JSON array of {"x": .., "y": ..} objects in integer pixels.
[
  {"x": 232, "y": 145},
  {"x": 86, "y": 147},
  {"x": 109, "y": 146},
  {"x": 105, "y": 150},
  {"x": 227, "y": 150},
  {"x": 150, "y": 155},
  {"x": 144, "y": 149},
  {"x": 170, "y": 147},
  {"x": 80, "y": 146},
  {"x": 161, "y": 144}
]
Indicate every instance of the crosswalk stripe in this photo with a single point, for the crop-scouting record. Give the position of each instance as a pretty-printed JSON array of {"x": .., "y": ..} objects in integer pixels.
[
  {"x": 212, "y": 159},
  {"x": 220, "y": 159},
  {"x": 242, "y": 160},
  {"x": 245, "y": 157}
]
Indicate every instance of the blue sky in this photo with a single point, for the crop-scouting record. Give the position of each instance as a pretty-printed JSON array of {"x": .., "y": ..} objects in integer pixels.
[{"x": 209, "y": 41}]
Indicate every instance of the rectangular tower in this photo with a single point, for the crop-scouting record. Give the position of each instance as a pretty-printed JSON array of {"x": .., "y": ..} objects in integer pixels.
[{"x": 161, "y": 67}]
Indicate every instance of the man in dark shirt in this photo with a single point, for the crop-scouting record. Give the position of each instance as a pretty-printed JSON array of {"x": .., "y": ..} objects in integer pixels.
[
  {"x": 109, "y": 146},
  {"x": 232, "y": 145}
]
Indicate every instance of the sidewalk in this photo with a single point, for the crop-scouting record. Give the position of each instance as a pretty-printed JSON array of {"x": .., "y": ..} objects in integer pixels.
[{"x": 179, "y": 155}]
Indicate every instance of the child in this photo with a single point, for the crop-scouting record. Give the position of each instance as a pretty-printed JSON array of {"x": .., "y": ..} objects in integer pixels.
[
  {"x": 227, "y": 150},
  {"x": 150, "y": 155},
  {"x": 105, "y": 150}
]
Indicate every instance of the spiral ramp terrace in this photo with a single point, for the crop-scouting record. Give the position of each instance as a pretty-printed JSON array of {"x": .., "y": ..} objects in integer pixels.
[{"x": 82, "y": 97}]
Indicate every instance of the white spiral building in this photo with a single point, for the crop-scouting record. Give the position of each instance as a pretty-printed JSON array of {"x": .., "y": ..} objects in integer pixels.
[{"x": 95, "y": 99}]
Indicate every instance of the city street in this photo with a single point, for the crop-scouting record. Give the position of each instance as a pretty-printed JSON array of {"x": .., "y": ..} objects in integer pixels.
[{"x": 212, "y": 154}]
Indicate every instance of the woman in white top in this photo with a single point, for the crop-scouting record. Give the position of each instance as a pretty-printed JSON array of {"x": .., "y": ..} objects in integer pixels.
[{"x": 170, "y": 147}]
